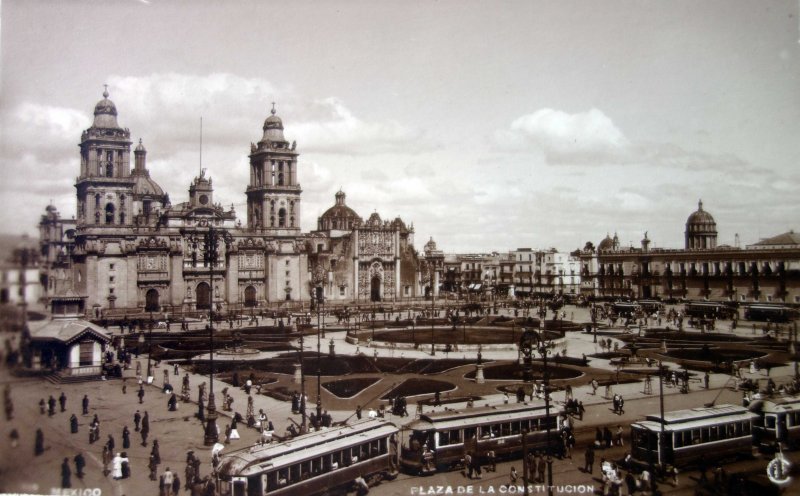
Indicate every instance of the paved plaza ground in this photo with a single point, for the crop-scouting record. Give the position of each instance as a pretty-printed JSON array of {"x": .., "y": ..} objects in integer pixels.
[{"x": 178, "y": 432}]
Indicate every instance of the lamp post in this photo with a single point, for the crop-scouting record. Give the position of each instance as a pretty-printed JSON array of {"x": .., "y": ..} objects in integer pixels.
[
  {"x": 544, "y": 351},
  {"x": 302, "y": 388},
  {"x": 433, "y": 309},
  {"x": 319, "y": 352},
  {"x": 210, "y": 240}
]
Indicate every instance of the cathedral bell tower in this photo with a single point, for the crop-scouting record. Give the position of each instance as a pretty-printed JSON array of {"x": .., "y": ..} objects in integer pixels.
[
  {"x": 105, "y": 186},
  {"x": 273, "y": 195}
]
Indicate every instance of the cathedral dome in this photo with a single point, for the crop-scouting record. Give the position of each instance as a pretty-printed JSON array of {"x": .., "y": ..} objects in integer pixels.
[
  {"x": 144, "y": 186},
  {"x": 273, "y": 127},
  {"x": 430, "y": 245},
  {"x": 339, "y": 216},
  {"x": 701, "y": 230},
  {"x": 105, "y": 113},
  {"x": 701, "y": 221},
  {"x": 606, "y": 244}
]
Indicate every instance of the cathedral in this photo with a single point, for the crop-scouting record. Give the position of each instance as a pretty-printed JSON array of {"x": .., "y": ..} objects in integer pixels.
[{"x": 130, "y": 249}]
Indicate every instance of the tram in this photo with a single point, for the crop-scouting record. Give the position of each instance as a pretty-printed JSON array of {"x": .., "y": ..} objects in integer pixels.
[
  {"x": 709, "y": 433},
  {"x": 315, "y": 463},
  {"x": 778, "y": 421},
  {"x": 651, "y": 306},
  {"x": 626, "y": 309},
  {"x": 439, "y": 440},
  {"x": 708, "y": 310},
  {"x": 770, "y": 313}
]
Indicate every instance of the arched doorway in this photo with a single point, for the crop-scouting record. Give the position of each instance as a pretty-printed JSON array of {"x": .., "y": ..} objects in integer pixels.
[
  {"x": 203, "y": 296},
  {"x": 249, "y": 296},
  {"x": 375, "y": 289},
  {"x": 151, "y": 303}
]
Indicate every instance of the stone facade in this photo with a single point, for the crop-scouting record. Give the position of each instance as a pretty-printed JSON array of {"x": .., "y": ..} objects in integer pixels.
[
  {"x": 768, "y": 271},
  {"x": 131, "y": 250}
]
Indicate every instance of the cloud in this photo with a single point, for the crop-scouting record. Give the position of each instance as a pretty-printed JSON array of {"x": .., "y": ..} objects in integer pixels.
[
  {"x": 334, "y": 129},
  {"x": 567, "y": 138}
]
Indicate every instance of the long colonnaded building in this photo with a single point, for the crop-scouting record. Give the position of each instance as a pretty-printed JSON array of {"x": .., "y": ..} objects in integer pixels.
[{"x": 767, "y": 271}]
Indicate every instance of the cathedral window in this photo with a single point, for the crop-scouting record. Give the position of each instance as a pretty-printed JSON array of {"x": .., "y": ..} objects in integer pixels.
[
  {"x": 146, "y": 207},
  {"x": 291, "y": 207},
  {"x": 289, "y": 172},
  {"x": 282, "y": 217},
  {"x": 122, "y": 217},
  {"x": 280, "y": 179},
  {"x": 271, "y": 221},
  {"x": 110, "y": 213},
  {"x": 97, "y": 217},
  {"x": 97, "y": 200},
  {"x": 291, "y": 221},
  {"x": 109, "y": 169}
]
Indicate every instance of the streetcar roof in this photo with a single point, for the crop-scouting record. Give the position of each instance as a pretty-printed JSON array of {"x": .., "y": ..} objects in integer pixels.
[
  {"x": 651, "y": 425},
  {"x": 449, "y": 419},
  {"x": 260, "y": 458},
  {"x": 698, "y": 414},
  {"x": 779, "y": 404}
]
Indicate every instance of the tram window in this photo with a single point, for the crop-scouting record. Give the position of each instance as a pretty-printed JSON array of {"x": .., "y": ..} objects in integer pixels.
[
  {"x": 505, "y": 429},
  {"x": 470, "y": 433},
  {"x": 272, "y": 481},
  {"x": 678, "y": 441},
  {"x": 747, "y": 428},
  {"x": 770, "y": 421},
  {"x": 316, "y": 466},
  {"x": 455, "y": 436},
  {"x": 486, "y": 431},
  {"x": 305, "y": 470},
  {"x": 383, "y": 445},
  {"x": 515, "y": 428},
  {"x": 533, "y": 424},
  {"x": 294, "y": 474},
  {"x": 713, "y": 433},
  {"x": 731, "y": 431},
  {"x": 336, "y": 460},
  {"x": 444, "y": 438}
]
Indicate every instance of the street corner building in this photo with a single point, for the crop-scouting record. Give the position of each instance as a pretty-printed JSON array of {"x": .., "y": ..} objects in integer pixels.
[{"x": 130, "y": 249}]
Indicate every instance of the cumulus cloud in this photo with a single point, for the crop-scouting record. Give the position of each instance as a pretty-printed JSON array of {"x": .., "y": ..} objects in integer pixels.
[
  {"x": 567, "y": 138},
  {"x": 334, "y": 129}
]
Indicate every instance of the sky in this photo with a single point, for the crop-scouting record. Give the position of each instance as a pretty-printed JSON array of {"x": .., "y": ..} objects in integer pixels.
[{"x": 489, "y": 126}]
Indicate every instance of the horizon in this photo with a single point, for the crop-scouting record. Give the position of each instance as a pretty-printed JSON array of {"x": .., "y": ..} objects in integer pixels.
[{"x": 489, "y": 129}]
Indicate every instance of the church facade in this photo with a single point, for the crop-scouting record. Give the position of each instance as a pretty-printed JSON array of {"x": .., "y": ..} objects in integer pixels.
[{"x": 130, "y": 249}]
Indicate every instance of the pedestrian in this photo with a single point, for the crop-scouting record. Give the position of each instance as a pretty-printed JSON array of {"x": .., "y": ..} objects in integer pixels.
[
  {"x": 595, "y": 385},
  {"x": 512, "y": 478},
  {"x": 62, "y": 400},
  {"x": 175, "y": 369},
  {"x": 630, "y": 481},
  {"x": 581, "y": 410},
  {"x": 66, "y": 473},
  {"x": 541, "y": 468},
  {"x": 153, "y": 466},
  {"x": 141, "y": 394},
  {"x": 38, "y": 448},
  {"x": 51, "y": 406},
  {"x": 491, "y": 459},
  {"x": 13, "y": 437},
  {"x": 176, "y": 484},
  {"x": 106, "y": 461},
  {"x": 172, "y": 404},
  {"x": 155, "y": 452},
  {"x": 618, "y": 440},
  {"x": 126, "y": 465},
  {"x": 468, "y": 465},
  {"x": 42, "y": 406},
  {"x": 621, "y": 409},
  {"x": 80, "y": 462},
  {"x": 85, "y": 404},
  {"x": 167, "y": 480},
  {"x": 116, "y": 467},
  {"x": 126, "y": 438},
  {"x": 144, "y": 431},
  {"x": 137, "y": 417},
  {"x": 73, "y": 424},
  {"x": 706, "y": 379},
  {"x": 588, "y": 457},
  {"x": 607, "y": 436}
]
